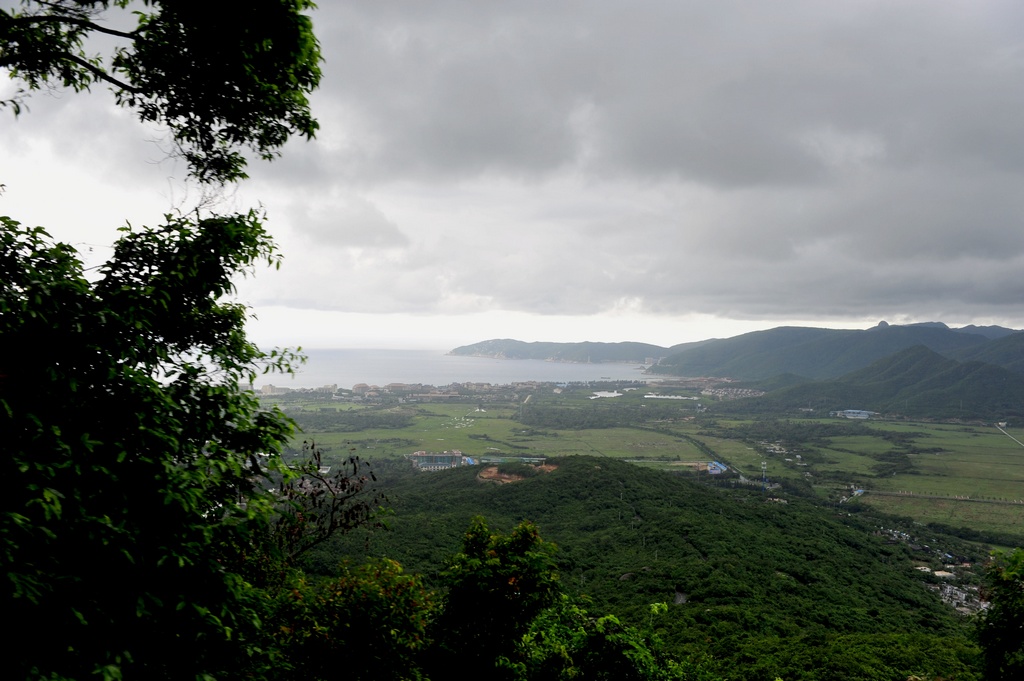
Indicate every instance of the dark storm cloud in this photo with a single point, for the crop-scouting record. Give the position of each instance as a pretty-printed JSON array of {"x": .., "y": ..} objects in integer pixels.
[
  {"x": 720, "y": 93},
  {"x": 746, "y": 159}
]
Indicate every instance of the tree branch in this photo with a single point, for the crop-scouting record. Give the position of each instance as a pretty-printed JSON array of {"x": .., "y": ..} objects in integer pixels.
[
  {"x": 99, "y": 73},
  {"x": 82, "y": 23}
]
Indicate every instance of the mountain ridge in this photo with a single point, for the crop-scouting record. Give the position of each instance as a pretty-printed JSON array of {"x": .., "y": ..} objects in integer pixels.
[
  {"x": 811, "y": 352},
  {"x": 916, "y": 382}
]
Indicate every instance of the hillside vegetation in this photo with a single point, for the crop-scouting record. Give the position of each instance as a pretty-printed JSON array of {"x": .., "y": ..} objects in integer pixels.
[
  {"x": 919, "y": 370},
  {"x": 915, "y": 382},
  {"x": 762, "y": 587},
  {"x": 563, "y": 352},
  {"x": 822, "y": 353},
  {"x": 812, "y": 353},
  {"x": 1005, "y": 351}
]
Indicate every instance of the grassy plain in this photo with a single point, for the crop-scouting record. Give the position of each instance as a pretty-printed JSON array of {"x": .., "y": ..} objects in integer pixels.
[
  {"x": 984, "y": 517},
  {"x": 951, "y": 469},
  {"x": 939, "y": 464}
]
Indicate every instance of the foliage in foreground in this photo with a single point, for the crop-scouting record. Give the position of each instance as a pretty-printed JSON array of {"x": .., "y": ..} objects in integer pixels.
[
  {"x": 371, "y": 622},
  {"x": 148, "y": 524},
  {"x": 505, "y": 616},
  {"x": 501, "y": 614},
  {"x": 1001, "y": 629},
  {"x": 129, "y": 452},
  {"x": 218, "y": 81}
]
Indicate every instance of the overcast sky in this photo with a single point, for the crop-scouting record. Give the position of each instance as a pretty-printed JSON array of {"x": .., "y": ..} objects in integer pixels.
[{"x": 649, "y": 171}]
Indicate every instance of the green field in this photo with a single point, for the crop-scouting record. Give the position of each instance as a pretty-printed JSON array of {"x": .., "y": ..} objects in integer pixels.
[
  {"x": 935, "y": 466},
  {"x": 955, "y": 513},
  {"x": 446, "y": 427}
]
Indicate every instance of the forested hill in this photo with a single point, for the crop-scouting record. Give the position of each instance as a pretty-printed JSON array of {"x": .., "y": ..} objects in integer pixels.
[
  {"x": 1005, "y": 351},
  {"x": 564, "y": 352},
  {"x": 811, "y": 353},
  {"x": 913, "y": 382},
  {"x": 767, "y": 588},
  {"x": 830, "y": 353}
]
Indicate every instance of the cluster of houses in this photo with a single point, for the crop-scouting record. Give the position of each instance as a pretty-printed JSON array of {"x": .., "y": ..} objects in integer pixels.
[
  {"x": 853, "y": 414},
  {"x": 271, "y": 389},
  {"x": 432, "y": 461},
  {"x": 731, "y": 393},
  {"x": 956, "y": 579}
]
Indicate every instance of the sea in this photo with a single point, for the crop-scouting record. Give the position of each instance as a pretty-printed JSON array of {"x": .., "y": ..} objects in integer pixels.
[{"x": 349, "y": 367}]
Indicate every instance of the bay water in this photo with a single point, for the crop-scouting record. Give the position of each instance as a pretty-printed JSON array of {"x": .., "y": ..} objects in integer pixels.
[{"x": 349, "y": 367}]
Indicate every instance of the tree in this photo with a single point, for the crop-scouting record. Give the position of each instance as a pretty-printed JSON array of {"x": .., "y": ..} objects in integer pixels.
[
  {"x": 316, "y": 504},
  {"x": 139, "y": 529},
  {"x": 369, "y": 623},
  {"x": 566, "y": 642},
  {"x": 496, "y": 585},
  {"x": 504, "y": 616},
  {"x": 1001, "y": 626},
  {"x": 129, "y": 452},
  {"x": 141, "y": 533},
  {"x": 220, "y": 79}
]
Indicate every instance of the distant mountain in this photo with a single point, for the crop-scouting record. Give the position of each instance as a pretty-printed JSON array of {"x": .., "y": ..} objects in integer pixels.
[
  {"x": 916, "y": 382},
  {"x": 1006, "y": 351},
  {"x": 693, "y": 344},
  {"x": 774, "y": 383},
  {"x": 750, "y": 356},
  {"x": 811, "y": 352},
  {"x": 990, "y": 332},
  {"x": 586, "y": 352}
]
